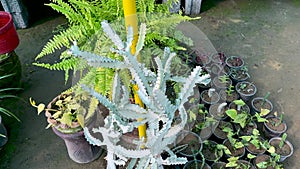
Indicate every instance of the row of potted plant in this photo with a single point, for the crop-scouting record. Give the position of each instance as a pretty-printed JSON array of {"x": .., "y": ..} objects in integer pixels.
[{"x": 236, "y": 127}]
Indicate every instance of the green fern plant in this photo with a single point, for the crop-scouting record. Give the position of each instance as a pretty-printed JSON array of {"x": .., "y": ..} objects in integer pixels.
[{"x": 123, "y": 116}]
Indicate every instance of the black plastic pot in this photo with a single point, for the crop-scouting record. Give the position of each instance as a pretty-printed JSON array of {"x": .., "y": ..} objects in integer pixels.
[
  {"x": 213, "y": 112},
  {"x": 273, "y": 127},
  {"x": 234, "y": 62},
  {"x": 240, "y": 152},
  {"x": 210, "y": 151},
  {"x": 275, "y": 142},
  {"x": 256, "y": 105},
  {"x": 218, "y": 84},
  {"x": 228, "y": 98},
  {"x": 193, "y": 164},
  {"x": 219, "y": 134},
  {"x": 218, "y": 165},
  {"x": 238, "y": 75},
  {"x": 215, "y": 97},
  {"x": 190, "y": 143},
  {"x": 246, "y": 90},
  {"x": 244, "y": 108}
]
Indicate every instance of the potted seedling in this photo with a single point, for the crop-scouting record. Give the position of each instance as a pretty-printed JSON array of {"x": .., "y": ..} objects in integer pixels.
[
  {"x": 265, "y": 161},
  {"x": 259, "y": 103},
  {"x": 229, "y": 95},
  {"x": 243, "y": 121},
  {"x": 235, "y": 148},
  {"x": 274, "y": 126},
  {"x": 212, "y": 151},
  {"x": 239, "y": 75},
  {"x": 239, "y": 105},
  {"x": 67, "y": 117},
  {"x": 222, "y": 82},
  {"x": 209, "y": 96},
  {"x": 219, "y": 131},
  {"x": 217, "y": 111},
  {"x": 255, "y": 143},
  {"x": 218, "y": 165},
  {"x": 190, "y": 142},
  {"x": 246, "y": 90},
  {"x": 218, "y": 58},
  {"x": 282, "y": 147},
  {"x": 234, "y": 62}
]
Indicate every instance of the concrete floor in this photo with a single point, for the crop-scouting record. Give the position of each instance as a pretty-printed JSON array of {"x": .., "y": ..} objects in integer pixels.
[{"x": 265, "y": 33}]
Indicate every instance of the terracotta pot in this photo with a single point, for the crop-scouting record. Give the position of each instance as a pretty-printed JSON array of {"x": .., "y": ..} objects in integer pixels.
[
  {"x": 78, "y": 147},
  {"x": 9, "y": 39}
]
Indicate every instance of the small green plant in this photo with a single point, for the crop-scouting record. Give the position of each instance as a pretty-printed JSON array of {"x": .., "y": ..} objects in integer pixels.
[
  {"x": 241, "y": 118},
  {"x": 230, "y": 90},
  {"x": 282, "y": 141},
  {"x": 265, "y": 99},
  {"x": 240, "y": 103},
  {"x": 271, "y": 162},
  {"x": 280, "y": 118},
  {"x": 255, "y": 139},
  {"x": 232, "y": 162},
  {"x": 231, "y": 136},
  {"x": 223, "y": 78}
]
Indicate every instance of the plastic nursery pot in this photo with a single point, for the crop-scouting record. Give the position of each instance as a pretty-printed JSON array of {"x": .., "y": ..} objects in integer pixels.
[
  {"x": 9, "y": 39},
  {"x": 254, "y": 150},
  {"x": 261, "y": 158},
  {"x": 243, "y": 164},
  {"x": 216, "y": 69},
  {"x": 259, "y": 103},
  {"x": 274, "y": 127},
  {"x": 218, "y": 165},
  {"x": 218, "y": 58},
  {"x": 247, "y": 130},
  {"x": 210, "y": 151},
  {"x": 217, "y": 111},
  {"x": 228, "y": 98},
  {"x": 193, "y": 164},
  {"x": 213, "y": 98},
  {"x": 238, "y": 75},
  {"x": 189, "y": 143},
  {"x": 219, "y": 133},
  {"x": 239, "y": 152},
  {"x": 286, "y": 151},
  {"x": 244, "y": 108},
  {"x": 246, "y": 90},
  {"x": 218, "y": 84},
  {"x": 234, "y": 62},
  {"x": 201, "y": 59}
]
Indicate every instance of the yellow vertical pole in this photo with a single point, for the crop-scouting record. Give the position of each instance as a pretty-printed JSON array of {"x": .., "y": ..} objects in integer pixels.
[{"x": 129, "y": 7}]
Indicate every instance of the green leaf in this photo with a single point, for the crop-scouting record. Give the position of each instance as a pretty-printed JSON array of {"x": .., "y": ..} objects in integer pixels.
[
  {"x": 271, "y": 150},
  {"x": 264, "y": 112},
  {"x": 80, "y": 119},
  {"x": 67, "y": 119},
  {"x": 239, "y": 102},
  {"x": 57, "y": 114},
  {"x": 260, "y": 119},
  {"x": 232, "y": 113},
  {"x": 255, "y": 132},
  {"x": 238, "y": 145},
  {"x": 251, "y": 156},
  {"x": 246, "y": 138},
  {"x": 241, "y": 119},
  {"x": 40, "y": 108}
]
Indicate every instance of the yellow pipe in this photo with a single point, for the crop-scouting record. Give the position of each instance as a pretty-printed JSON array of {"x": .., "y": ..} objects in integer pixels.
[{"x": 129, "y": 7}]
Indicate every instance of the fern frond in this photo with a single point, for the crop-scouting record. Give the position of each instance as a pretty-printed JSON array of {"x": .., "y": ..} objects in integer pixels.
[{"x": 63, "y": 39}]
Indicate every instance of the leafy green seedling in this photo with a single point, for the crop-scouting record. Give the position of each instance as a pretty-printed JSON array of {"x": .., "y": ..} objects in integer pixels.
[
  {"x": 283, "y": 138},
  {"x": 264, "y": 99},
  {"x": 240, "y": 103},
  {"x": 230, "y": 90}
]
